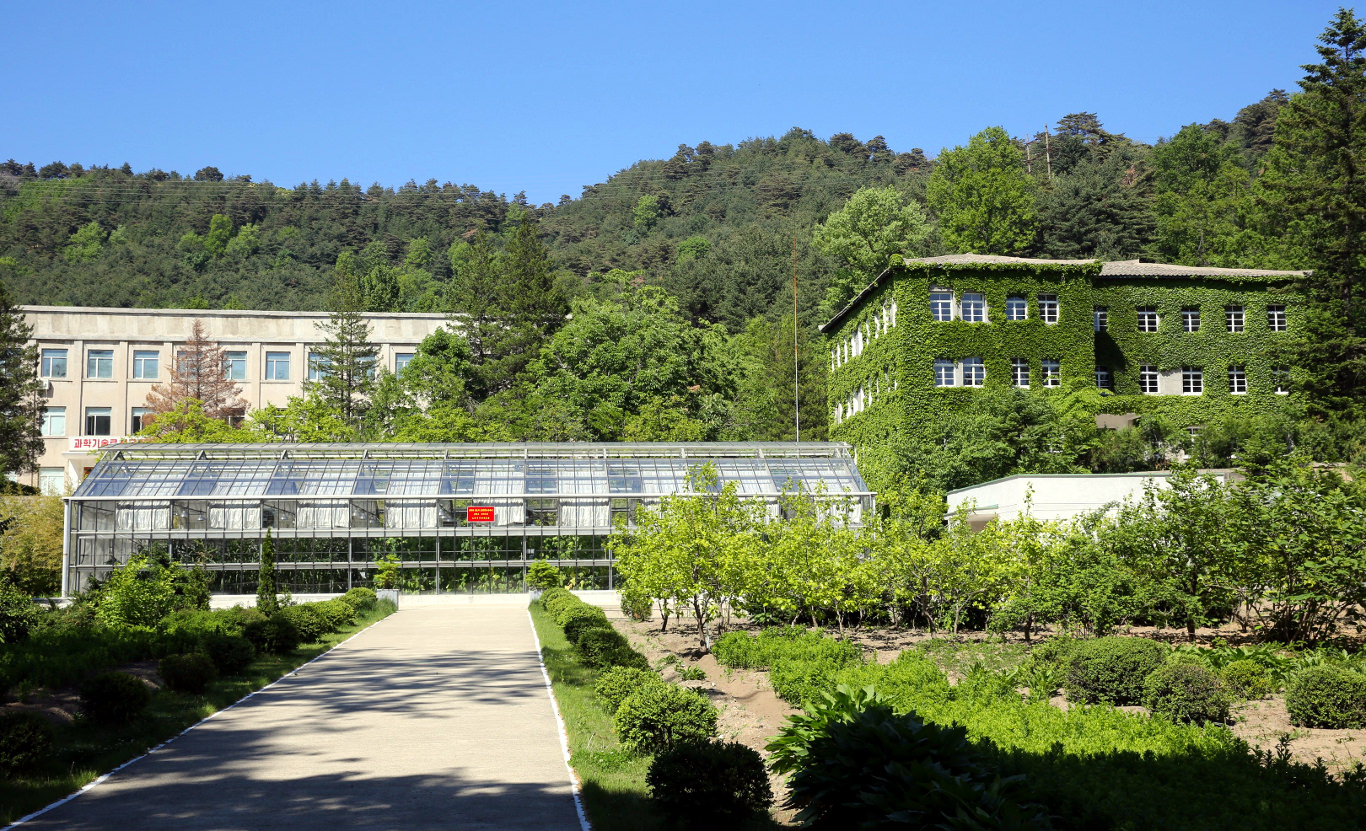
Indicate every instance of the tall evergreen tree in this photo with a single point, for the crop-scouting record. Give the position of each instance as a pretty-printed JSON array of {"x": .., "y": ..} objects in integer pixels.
[
  {"x": 983, "y": 196},
  {"x": 20, "y": 391},
  {"x": 1314, "y": 186},
  {"x": 267, "y": 591},
  {"x": 346, "y": 360}
]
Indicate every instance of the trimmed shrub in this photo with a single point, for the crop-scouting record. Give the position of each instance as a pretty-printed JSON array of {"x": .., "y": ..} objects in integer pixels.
[
  {"x": 275, "y": 634},
  {"x": 1246, "y": 679},
  {"x": 188, "y": 673},
  {"x": 712, "y": 783},
  {"x": 336, "y": 612},
  {"x": 1327, "y": 696},
  {"x": 25, "y": 739},
  {"x": 578, "y": 611},
  {"x": 360, "y": 598},
  {"x": 594, "y": 645},
  {"x": 1112, "y": 670},
  {"x": 553, "y": 600},
  {"x": 1057, "y": 650},
  {"x": 658, "y": 717},
  {"x": 308, "y": 621},
  {"x": 618, "y": 682},
  {"x": 580, "y": 624},
  {"x": 637, "y": 606},
  {"x": 1185, "y": 692},
  {"x": 230, "y": 654},
  {"x": 623, "y": 656},
  {"x": 543, "y": 575},
  {"x": 114, "y": 698}
]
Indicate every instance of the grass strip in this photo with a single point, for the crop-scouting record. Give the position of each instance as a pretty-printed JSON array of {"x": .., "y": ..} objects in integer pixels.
[
  {"x": 82, "y": 752},
  {"x": 611, "y": 779}
]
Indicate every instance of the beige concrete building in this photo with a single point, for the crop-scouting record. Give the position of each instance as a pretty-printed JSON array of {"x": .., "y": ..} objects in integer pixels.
[{"x": 98, "y": 365}]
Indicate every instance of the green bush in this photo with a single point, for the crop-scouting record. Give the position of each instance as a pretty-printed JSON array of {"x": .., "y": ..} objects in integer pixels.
[
  {"x": 623, "y": 655},
  {"x": 188, "y": 673},
  {"x": 853, "y": 762},
  {"x": 554, "y": 600},
  {"x": 1186, "y": 692},
  {"x": 1327, "y": 696},
  {"x": 596, "y": 645},
  {"x": 1246, "y": 679},
  {"x": 25, "y": 739},
  {"x": 360, "y": 598},
  {"x": 636, "y": 605},
  {"x": 578, "y": 610},
  {"x": 736, "y": 650},
  {"x": 740, "y": 651},
  {"x": 276, "y": 634},
  {"x": 580, "y": 624},
  {"x": 1058, "y": 650},
  {"x": 230, "y": 654},
  {"x": 114, "y": 698},
  {"x": 618, "y": 682},
  {"x": 798, "y": 681},
  {"x": 542, "y": 575},
  {"x": 308, "y": 620},
  {"x": 148, "y": 588},
  {"x": 658, "y": 717},
  {"x": 18, "y": 614},
  {"x": 710, "y": 784},
  {"x": 1112, "y": 670},
  {"x": 336, "y": 612}
]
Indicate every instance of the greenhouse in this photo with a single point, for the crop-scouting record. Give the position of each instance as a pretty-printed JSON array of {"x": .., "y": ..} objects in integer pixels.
[{"x": 459, "y": 517}]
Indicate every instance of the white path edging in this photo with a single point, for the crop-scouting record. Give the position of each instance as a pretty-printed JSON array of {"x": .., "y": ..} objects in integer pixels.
[
  {"x": 559, "y": 723},
  {"x": 102, "y": 777}
]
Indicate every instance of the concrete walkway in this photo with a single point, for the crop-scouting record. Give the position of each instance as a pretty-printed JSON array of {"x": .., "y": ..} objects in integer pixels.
[{"x": 437, "y": 717}]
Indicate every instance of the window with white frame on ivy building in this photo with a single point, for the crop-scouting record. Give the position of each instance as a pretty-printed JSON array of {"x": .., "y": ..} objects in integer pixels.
[
  {"x": 1192, "y": 380},
  {"x": 1234, "y": 318},
  {"x": 1237, "y": 380},
  {"x": 1275, "y": 318},
  {"x": 1019, "y": 372},
  {"x": 974, "y": 372},
  {"x": 1017, "y": 307},
  {"x": 1280, "y": 378},
  {"x": 1048, "y": 308},
  {"x": 1052, "y": 372},
  {"x": 1147, "y": 318},
  {"x": 974, "y": 307},
  {"x": 941, "y": 304},
  {"x": 1190, "y": 319},
  {"x": 1147, "y": 379},
  {"x": 1104, "y": 379},
  {"x": 944, "y": 374},
  {"x": 1100, "y": 319}
]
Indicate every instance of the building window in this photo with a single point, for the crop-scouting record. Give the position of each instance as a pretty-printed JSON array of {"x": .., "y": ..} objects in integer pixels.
[
  {"x": 1147, "y": 319},
  {"x": 136, "y": 422},
  {"x": 1052, "y": 373},
  {"x": 974, "y": 308},
  {"x": 317, "y": 365},
  {"x": 54, "y": 421},
  {"x": 237, "y": 365},
  {"x": 53, "y": 364},
  {"x": 1190, "y": 320},
  {"x": 1019, "y": 372},
  {"x": 1237, "y": 380},
  {"x": 52, "y": 481},
  {"x": 97, "y": 421},
  {"x": 1280, "y": 376},
  {"x": 99, "y": 363},
  {"x": 1017, "y": 308},
  {"x": 1100, "y": 319},
  {"x": 1048, "y": 308},
  {"x": 401, "y": 361},
  {"x": 941, "y": 304},
  {"x": 943, "y": 373},
  {"x": 367, "y": 366},
  {"x": 277, "y": 366},
  {"x": 1233, "y": 318},
  {"x": 1275, "y": 318},
  {"x": 1104, "y": 379},
  {"x": 1192, "y": 380},
  {"x": 144, "y": 365},
  {"x": 1147, "y": 379},
  {"x": 974, "y": 373}
]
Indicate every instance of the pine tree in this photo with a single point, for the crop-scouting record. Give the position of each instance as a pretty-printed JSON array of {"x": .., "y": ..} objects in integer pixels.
[
  {"x": 346, "y": 360},
  {"x": 20, "y": 392},
  {"x": 199, "y": 371},
  {"x": 267, "y": 592}
]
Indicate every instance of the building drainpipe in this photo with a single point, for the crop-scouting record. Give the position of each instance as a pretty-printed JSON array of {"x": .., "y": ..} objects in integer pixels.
[{"x": 66, "y": 546}]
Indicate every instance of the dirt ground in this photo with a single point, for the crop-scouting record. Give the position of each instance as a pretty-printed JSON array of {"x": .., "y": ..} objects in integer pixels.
[
  {"x": 60, "y": 706},
  {"x": 752, "y": 714}
]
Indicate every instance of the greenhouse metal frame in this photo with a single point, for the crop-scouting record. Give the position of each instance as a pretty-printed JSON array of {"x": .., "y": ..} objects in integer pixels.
[{"x": 459, "y": 517}]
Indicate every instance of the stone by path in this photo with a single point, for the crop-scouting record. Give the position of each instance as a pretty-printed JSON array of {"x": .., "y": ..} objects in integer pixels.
[{"x": 437, "y": 717}]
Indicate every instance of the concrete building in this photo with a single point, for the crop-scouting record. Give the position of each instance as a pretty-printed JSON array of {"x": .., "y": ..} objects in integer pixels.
[{"x": 98, "y": 365}]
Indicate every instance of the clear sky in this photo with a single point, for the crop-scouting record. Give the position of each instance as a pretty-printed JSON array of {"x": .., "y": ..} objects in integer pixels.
[{"x": 549, "y": 97}]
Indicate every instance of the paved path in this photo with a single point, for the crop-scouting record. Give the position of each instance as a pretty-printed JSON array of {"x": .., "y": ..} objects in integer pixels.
[{"x": 437, "y": 717}]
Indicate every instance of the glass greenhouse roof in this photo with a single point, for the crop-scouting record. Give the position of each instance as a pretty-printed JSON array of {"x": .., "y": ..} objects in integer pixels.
[{"x": 380, "y": 471}]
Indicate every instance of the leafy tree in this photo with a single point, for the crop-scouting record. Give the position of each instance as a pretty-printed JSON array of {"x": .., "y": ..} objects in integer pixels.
[
  {"x": 20, "y": 391},
  {"x": 1202, "y": 197},
  {"x": 199, "y": 372},
  {"x": 188, "y": 423},
  {"x": 308, "y": 418},
  {"x": 873, "y": 227},
  {"x": 267, "y": 593},
  {"x": 1314, "y": 186},
  {"x": 31, "y": 543},
  {"x": 220, "y": 234},
  {"x": 86, "y": 244},
  {"x": 346, "y": 359},
  {"x": 983, "y": 196}
]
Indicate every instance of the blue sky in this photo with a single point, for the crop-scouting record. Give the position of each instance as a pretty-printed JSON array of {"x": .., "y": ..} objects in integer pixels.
[{"x": 549, "y": 97}]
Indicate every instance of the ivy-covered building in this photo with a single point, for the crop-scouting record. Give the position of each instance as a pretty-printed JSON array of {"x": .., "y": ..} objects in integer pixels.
[{"x": 1191, "y": 343}]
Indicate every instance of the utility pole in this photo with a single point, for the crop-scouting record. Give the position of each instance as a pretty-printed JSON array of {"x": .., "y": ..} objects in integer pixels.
[
  {"x": 1047, "y": 152},
  {"x": 796, "y": 374}
]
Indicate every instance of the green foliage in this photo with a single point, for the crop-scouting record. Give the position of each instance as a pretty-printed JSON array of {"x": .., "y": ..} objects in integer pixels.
[
  {"x": 25, "y": 741},
  {"x": 710, "y": 784},
  {"x": 361, "y": 598},
  {"x": 188, "y": 673},
  {"x": 17, "y": 611},
  {"x": 636, "y": 605},
  {"x": 542, "y": 575},
  {"x": 874, "y": 226},
  {"x": 1327, "y": 696},
  {"x": 553, "y": 600},
  {"x": 386, "y": 571},
  {"x": 346, "y": 358},
  {"x": 852, "y": 761},
  {"x": 230, "y": 654},
  {"x": 336, "y": 612},
  {"x": 20, "y": 391},
  {"x": 983, "y": 197},
  {"x": 616, "y": 683},
  {"x": 148, "y": 588},
  {"x": 1112, "y": 670},
  {"x": 577, "y": 622},
  {"x": 598, "y": 646},
  {"x": 114, "y": 698},
  {"x": 308, "y": 620},
  {"x": 656, "y": 718},
  {"x": 1186, "y": 692},
  {"x": 1246, "y": 679},
  {"x": 276, "y": 634},
  {"x": 267, "y": 593},
  {"x": 575, "y": 609}
]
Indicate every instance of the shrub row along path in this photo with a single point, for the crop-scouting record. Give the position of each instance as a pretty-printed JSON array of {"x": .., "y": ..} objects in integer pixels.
[{"x": 436, "y": 717}]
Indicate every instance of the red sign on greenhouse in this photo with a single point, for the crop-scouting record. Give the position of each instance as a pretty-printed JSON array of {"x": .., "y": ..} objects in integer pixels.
[{"x": 473, "y": 514}]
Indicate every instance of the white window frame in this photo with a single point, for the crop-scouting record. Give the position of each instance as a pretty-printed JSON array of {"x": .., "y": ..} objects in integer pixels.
[
  {"x": 99, "y": 364},
  {"x": 401, "y": 360},
  {"x": 974, "y": 372},
  {"x": 146, "y": 364},
  {"x": 1275, "y": 318},
  {"x": 274, "y": 362},
  {"x": 48, "y": 359},
  {"x": 1192, "y": 380},
  {"x": 1100, "y": 319},
  {"x": 1148, "y": 318},
  {"x": 1190, "y": 319},
  {"x": 54, "y": 422},
  {"x": 1280, "y": 379},
  {"x": 52, "y": 481},
  {"x": 235, "y": 365},
  {"x": 317, "y": 365},
  {"x": 1237, "y": 380},
  {"x": 1048, "y": 308},
  {"x": 1017, "y": 307},
  {"x": 1052, "y": 372},
  {"x": 973, "y": 310},
  {"x": 1235, "y": 318},
  {"x": 92, "y": 427},
  {"x": 1105, "y": 379},
  {"x": 945, "y": 373},
  {"x": 1148, "y": 380},
  {"x": 941, "y": 305},
  {"x": 135, "y": 418}
]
